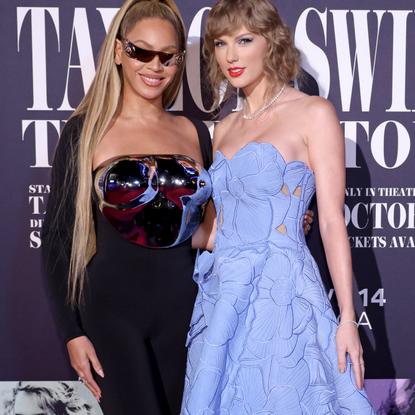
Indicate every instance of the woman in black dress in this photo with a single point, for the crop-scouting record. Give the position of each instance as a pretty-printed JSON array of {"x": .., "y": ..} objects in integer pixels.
[{"x": 129, "y": 306}]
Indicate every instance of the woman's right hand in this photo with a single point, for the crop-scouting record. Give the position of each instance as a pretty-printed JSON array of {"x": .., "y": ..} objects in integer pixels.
[
  {"x": 82, "y": 355},
  {"x": 307, "y": 221}
]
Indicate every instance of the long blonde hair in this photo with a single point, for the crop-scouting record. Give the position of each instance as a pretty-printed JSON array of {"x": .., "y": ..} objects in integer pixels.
[
  {"x": 282, "y": 61},
  {"x": 98, "y": 108}
]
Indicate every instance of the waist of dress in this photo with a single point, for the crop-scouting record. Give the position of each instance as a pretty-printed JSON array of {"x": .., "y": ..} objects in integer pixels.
[{"x": 274, "y": 242}]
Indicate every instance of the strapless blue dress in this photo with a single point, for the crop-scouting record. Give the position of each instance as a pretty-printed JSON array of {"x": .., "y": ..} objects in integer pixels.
[{"x": 262, "y": 336}]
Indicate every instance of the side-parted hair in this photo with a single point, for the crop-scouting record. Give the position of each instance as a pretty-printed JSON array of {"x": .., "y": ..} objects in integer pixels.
[
  {"x": 282, "y": 62},
  {"x": 98, "y": 108}
]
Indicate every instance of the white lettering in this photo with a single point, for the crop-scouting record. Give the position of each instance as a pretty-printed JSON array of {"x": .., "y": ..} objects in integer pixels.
[
  {"x": 35, "y": 241},
  {"x": 38, "y": 14},
  {"x": 37, "y": 201},
  {"x": 193, "y": 59},
  {"x": 378, "y": 144},
  {"x": 80, "y": 31},
  {"x": 314, "y": 60},
  {"x": 411, "y": 216},
  {"x": 401, "y": 215},
  {"x": 364, "y": 320},
  {"x": 362, "y": 56},
  {"x": 36, "y": 223},
  {"x": 41, "y": 139},
  {"x": 350, "y": 135},
  {"x": 400, "y": 18},
  {"x": 355, "y": 215},
  {"x": 107, "y": 14}
]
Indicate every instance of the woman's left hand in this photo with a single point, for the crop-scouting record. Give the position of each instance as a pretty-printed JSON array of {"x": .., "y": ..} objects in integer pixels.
[{"x": 348, "y": 341}]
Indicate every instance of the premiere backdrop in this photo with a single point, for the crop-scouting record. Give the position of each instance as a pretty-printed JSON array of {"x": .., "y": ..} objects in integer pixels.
[{"x": 362, "y": 56}]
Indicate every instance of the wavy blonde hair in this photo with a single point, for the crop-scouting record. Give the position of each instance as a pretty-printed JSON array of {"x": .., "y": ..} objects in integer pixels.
[
  {"x": 98, "y": 108},
  {"x": 282, "y": 62}
]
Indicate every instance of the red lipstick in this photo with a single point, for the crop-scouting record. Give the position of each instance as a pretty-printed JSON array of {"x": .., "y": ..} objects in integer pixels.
[{"x": 234, "y": 72}]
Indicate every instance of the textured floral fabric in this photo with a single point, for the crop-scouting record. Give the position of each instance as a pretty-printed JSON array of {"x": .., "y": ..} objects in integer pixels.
[{"x": 262, "y": 336}]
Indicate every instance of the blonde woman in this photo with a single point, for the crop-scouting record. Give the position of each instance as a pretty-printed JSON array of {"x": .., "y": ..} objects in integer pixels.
[
  {"x": 264, "y": 338},
  {"x": 130, "y": 300}
]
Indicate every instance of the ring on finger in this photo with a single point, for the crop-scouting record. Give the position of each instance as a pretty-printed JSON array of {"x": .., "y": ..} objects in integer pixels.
[
  {"x": 358, "y": 364},
  {"x": 81, "y": 380}
]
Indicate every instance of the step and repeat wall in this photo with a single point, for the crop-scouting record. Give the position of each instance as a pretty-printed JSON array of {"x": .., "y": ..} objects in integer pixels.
[{"x": 361, "y": 55}]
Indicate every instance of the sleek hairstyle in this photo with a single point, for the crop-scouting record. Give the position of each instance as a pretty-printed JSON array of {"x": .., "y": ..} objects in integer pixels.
[
  {"x": 98, "y": 108},
  {"x": 282, "y": 61},
  {"x": 58, "y": 399}
]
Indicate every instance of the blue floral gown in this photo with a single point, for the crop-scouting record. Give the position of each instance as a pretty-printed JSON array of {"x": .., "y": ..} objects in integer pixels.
[{"x": 262, "y": 336}]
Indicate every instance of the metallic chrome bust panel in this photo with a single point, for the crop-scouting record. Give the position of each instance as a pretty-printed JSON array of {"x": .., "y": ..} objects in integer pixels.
[{"x": 154, "y": 201}]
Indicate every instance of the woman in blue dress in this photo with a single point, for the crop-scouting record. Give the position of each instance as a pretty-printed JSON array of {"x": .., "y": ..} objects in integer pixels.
[{"x": 264, "y": 338}]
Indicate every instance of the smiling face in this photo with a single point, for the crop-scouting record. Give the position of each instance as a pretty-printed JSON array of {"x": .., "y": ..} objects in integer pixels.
[
  {"x": 148, "y": 80},
  {"x": 240, "y": 57}
]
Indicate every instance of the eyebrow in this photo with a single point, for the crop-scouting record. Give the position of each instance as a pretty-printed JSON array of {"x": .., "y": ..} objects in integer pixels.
[
  {"x": 244, "y": 35},
  {"x": 148, "y": 46},
  {"x": 238, "y": 37}
]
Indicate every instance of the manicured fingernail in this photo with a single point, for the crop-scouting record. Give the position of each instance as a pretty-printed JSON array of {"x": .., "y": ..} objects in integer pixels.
[
  {"x": 342, "y": 369},
  {"x": 101, "y": 372}
]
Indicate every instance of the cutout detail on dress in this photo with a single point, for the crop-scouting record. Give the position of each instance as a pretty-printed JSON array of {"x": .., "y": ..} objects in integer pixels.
[
  {"x": 282, "y": 229},
  {"x": 285, "y": 190},
  {"x": 297, "y": 191}
]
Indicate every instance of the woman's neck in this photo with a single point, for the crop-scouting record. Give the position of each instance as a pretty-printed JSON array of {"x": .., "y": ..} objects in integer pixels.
[
  {"x": 135, "y": 106},
  {"x": 256, "y": 95}
]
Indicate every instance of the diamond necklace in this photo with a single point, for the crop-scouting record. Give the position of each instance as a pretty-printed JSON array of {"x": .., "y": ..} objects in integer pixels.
[{"x": 264, "y": 108}]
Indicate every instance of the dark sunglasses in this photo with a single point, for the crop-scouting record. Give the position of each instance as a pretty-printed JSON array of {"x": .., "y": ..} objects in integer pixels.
[{"x": 144, "y": 55}]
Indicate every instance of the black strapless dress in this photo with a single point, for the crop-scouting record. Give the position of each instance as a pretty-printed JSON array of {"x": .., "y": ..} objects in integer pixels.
[{"x": 137, "y": 307}]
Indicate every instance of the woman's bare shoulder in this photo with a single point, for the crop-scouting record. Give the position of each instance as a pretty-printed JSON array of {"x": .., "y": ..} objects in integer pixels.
[
  {"x": 181, "y": 121},
  {"x": 313, "y": 109},
  {"x": 187, "y": 127},
  {"x": 316, "y": 106},
  {"x": 222, "y": 129}
]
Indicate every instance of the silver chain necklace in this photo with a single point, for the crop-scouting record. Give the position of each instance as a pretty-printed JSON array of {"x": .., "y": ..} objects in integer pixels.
[{"x": 264, "y": 108}]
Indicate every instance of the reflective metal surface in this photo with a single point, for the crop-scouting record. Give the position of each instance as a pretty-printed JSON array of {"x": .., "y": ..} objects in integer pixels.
[{"x": 154, "y": 201}]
